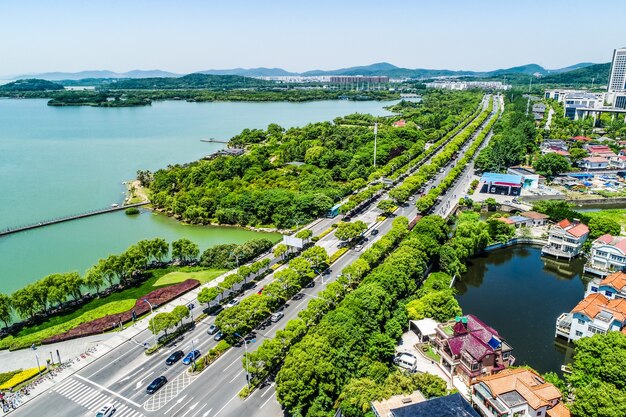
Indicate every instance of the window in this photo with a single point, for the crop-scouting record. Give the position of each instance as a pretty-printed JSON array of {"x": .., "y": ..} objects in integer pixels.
[
  {"x": 579, "y": 333},
  {"x": 608, "y": 293},
  {"x": 594, "y": 289},
  {"x": 602, "y": 253},
  {"x": 580, "y": 321}
]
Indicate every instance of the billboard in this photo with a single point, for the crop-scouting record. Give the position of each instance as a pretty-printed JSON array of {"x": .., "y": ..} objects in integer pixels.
[{"x": 293, "y": 242}]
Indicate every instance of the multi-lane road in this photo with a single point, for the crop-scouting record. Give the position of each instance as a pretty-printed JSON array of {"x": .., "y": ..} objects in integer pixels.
[{"x": 121, "y": 376}]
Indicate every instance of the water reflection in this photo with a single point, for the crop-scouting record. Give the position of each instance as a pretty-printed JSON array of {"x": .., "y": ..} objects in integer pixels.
[{"x": 521, "y": 295}]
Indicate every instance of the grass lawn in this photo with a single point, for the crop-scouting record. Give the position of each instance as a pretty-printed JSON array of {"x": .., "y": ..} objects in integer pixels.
[
  {"x": 180, "y": 276},
  {"x": 618, "y": 215},
  {"x": 430, "y": 353},
  {"x": 114, "y": 303}
]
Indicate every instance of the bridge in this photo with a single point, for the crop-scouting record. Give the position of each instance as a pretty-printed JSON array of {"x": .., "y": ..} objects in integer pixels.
[{"x": 11, "y": 230}]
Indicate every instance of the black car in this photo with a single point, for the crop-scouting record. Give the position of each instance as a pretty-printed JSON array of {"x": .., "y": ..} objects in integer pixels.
[
  {"x": 218, "y": 336},
  {"x": 374, "y": 232},
  {"x": 174, "y": 357},
  {"x": 156, "y": 384}
]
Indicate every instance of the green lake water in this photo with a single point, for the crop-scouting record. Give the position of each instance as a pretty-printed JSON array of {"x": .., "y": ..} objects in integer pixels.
[{"x": 58, "y": 161}]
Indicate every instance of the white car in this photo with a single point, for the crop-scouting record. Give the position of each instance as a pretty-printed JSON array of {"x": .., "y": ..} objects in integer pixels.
[
  {"x": 232, "y": 303},
  {"x": 277, "y": 316},
  {"x": 106, "y": 410},
  {"x": 358, "y": 248}
]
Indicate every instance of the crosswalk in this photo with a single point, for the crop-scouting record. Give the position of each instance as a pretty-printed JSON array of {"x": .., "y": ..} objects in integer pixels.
[{"x": 92, "y": 399}]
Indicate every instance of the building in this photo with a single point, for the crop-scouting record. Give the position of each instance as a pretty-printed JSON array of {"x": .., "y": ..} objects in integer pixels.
[
  {"x": 399, "y": 123},
  {"x": 464, "y": 85},
  {"x": 469, "y": 348},
  {"x": 505, "y": 184},
  {"x": 517, "y": 221},
  {"x": 617, "y": 78},
  {"x": 608, "y": 254},
  {"x": 517, "y": 392},
  {"x": 530, "y": 179},
  {"x": 566, "y": 239},
  {"x": 594, "y": 314},
  {"x": 618, "y": 162},
  {"x": 358, "y": 79},
  {"x": 538, "y": 219},
  {"x": 415, "y": 405},
  {"x": 554, "y": 144},
  {"x": 425, "y": 329},
  {"x": 600, "y": 150},
  {"x": 594, "y": 162}
]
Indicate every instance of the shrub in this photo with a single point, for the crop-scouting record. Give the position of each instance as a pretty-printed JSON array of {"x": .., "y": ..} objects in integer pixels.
[
  {"x": 21, "y": 377},
  {"x": 132, "y": 211}
]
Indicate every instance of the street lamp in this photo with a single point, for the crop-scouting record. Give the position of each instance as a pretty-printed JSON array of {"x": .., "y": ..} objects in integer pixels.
[
  {"x": 151, "y": 312},
  {"x": 34, "y": 348},
  {"x": 245, "y": 345}
]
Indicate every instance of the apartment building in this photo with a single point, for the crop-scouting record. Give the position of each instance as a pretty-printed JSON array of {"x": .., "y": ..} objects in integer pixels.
[{"x": 608, "y": 254}]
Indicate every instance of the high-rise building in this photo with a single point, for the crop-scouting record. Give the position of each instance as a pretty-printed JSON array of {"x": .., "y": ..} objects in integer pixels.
[{"x": 617, "y": 78}]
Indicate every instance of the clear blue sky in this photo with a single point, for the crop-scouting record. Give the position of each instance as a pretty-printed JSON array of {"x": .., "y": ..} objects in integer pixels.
[{"x": 185, "y": 36}]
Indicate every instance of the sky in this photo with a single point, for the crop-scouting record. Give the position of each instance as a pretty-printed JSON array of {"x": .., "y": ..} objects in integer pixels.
[{"x": 184, "y": 36}]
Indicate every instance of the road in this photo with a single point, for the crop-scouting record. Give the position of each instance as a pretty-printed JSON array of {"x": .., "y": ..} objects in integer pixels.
[{"x": 121, "y": 376}]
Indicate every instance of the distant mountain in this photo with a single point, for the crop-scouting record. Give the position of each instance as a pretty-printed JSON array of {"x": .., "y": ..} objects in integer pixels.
[
  {"x": 57, "y": 76},
  {"x": 572, "y": 67},
  {"x": 31, "y": 84},
  {"x": 191, "y": 81},
  {"x": 250, "y": 72},
  {"x": 597, "y": 73}
]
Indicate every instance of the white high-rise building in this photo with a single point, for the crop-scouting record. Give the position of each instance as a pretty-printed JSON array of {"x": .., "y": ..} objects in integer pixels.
[{"x": 617, "y": 79}]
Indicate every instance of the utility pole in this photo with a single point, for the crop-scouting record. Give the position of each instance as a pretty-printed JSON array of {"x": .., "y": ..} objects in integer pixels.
[
  {"x": 375, "y": 135},
  {"x": 529, "y": 87}
]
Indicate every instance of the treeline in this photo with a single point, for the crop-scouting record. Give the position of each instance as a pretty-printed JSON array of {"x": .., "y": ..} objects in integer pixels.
[
  {"x": 515, "y": 137},
  {"x": 32, "y": 84},
  {"x": 191, "y": 81},
  {"x": 266, "y": 359},
  {"x": 357, "y": 339},
  {"x": 231, "y": 255},
  {"x": 262, "y": 187}
]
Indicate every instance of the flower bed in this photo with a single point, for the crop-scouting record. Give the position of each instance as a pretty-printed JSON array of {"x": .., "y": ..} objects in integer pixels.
[
  {"x": 156, "y": 298},
  {"x": 21, "y": 377}
]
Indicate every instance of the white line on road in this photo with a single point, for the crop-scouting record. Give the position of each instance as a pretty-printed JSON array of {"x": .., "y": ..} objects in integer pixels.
[
  {"x": 225, "y": 405},
  {"x": 234, "y": 362},
  {"x": 180, "y": 400},
  {"x": 236, "y": 376},
  {"x": 191, "y": 407},
  {"x": 207, "y": 413},
  {"x": 266, "y": 401},
  {"x": 109, "y": 391},
  {"x": 267, "y": 390}
]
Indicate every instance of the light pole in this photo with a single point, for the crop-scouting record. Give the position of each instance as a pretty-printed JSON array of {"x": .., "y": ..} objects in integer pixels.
[
  {"x": 245, "y": 345},
  {"x": 193, "y": 354},
  {"x": 151, "y": 312},
  {"x": 34, "y": 348}
]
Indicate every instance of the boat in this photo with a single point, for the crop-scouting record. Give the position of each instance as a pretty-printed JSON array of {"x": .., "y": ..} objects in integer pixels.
[{"x": 114, "y": 205}]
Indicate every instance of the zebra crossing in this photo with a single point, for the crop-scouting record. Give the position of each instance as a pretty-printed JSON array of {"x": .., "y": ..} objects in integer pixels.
[{"x": 92, "y": 399}]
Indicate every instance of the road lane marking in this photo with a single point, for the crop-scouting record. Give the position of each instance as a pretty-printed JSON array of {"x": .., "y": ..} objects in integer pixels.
[
  {"x": 175, "y": 404},
  {"x": 267, "y": 390},
  {"x": 225, "y": 405},
  {"x": 236, "y": 376},
  {"x": 108, "y": 390},
  {"x": 234, "y": 362},
  {"x": 207, "y": 413},
  {"x": 266, "y": 401},
  {"x": 191, "y": 408}
]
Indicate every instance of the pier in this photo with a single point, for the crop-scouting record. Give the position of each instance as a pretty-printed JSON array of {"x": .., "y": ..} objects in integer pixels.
[
  {"x": 213, "y": 141},
  {"x": 11, "y": 230}
]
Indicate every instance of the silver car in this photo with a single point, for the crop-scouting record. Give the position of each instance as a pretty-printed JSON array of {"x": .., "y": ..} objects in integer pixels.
[{"x": 106, "y": 410}]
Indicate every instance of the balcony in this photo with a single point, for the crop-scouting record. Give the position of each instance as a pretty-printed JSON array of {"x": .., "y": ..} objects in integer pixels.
[
  {"x": 596, "y": 270},
  {"x": 563, "y": 325},
  {"x": 549, "y": 250}
]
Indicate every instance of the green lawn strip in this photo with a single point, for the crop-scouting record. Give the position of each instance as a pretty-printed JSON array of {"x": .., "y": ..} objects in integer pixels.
[
  {"x": 114, "y": 303},
  {"x": 180, "y": 276}
]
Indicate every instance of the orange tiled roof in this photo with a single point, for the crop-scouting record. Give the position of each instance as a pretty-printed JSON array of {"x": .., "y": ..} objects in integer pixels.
[
  {"x": 534, "y": 215},
  {"x": 558, "y": 410},
  {"x": 528, "y": 384},
  {"x": 578, "y": 230},
  {"x": 563, "y": 223},
  {"x": 594, "y": 303},
  {"x": 616, "y": 280}
]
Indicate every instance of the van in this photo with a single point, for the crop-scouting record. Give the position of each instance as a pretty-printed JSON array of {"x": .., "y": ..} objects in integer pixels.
[{"x": 406, "y": 361}]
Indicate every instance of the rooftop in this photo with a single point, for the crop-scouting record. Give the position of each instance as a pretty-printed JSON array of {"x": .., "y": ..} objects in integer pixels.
[
  {"x": 474, "y": 337},
  {"x": 616, "y": 280},
  {"x": 534, "y": 215},
  {"x": 502, "y": 179},
  {"x": 596, "y": 303},
  {"x": 527, "y": 384},
  {"x": 384, "y": 407},
  {"x": 574, "y": 229},
  {"x": 618, "y": 242},
  {"x": 448, "y": 406},
  {"x": 426, "y": 326},
  {"x": 597, "y": 159}
]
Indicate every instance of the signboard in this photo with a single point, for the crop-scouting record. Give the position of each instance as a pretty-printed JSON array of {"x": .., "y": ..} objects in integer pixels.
[{"x": 293, "y": 242}]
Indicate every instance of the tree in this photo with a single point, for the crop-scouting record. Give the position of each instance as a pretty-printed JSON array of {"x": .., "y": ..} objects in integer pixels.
[
  {"x": 576, "y": 154},
  {"x": 438, "y": 305},
  {"x": 304, "y": 234},
  {"x": 600, "y": 225},
  {"x": 599, "y": 399},
  {"x": 552, "y": 164},
  {"x": 179, "y": 314},
  {"x": 317, "y": 256},
  {"x": 94, "y": 278},
  {"x": 280, "y": 250},
  {"x": 5, "y": 309},
  {"x": 184, "y": 250},
  {"x": 207, "y": 295},
  {"x": 387, "y": 206},
  {"x": 347, "y": 231}
]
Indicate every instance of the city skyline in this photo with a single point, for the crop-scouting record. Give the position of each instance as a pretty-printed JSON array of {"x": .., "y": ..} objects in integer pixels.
[{"x": 193, "y": 36}]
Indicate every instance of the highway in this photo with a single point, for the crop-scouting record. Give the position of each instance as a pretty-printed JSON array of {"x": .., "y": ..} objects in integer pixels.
[{"x": 122, "y": 375}]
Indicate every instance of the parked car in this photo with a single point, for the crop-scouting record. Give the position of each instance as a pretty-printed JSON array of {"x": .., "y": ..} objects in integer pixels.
[
  {"x": 218, "y": 336},
  {"x": 260, "y": 291},
  {"x": 156, "y": 384},
  {"x": 174, "y": 357},
  {"x": 277, "y": 316},
  {"x": 298, "y": 296},
  {"x": 406, "y": 361},
  {"x": 213, "y": 329},
  {"x": 232, "y": 303},
  {"x": 358, "y": 248},
  {"x": 106, "y": 410},
  {"x": 374, "y": 232},
  {"x": 191, "y": 356}
]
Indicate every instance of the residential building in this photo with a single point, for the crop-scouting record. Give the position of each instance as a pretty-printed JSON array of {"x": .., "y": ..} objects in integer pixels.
[
  {"x": 554, "y": 143},
  {"x": 517, "y": 221},
  {"x": 618, "y": 162},
  {"x": 594, "y": 314},
  {"x": 464, "y": 85},
  {"x": 415, "y": 405},
  {"x": 399, "y": 123},
  {"x": 566, "y": 239},
  {"x": 594, "y": 162},
  {"x": 425, "y": 329},
  {"x": 538, "y": 219},
  {"x": 517, "y": 392},
  {"x": 600, "y": 150},
  {"x": 358, "y": 79},
  {"x": 608, "y": 254},
  {"x": 469, "y": 348},
  {"x": 613, "y": 286},
  {"x": 530, "y": 179},
  {"x": 505, "y": 184}
]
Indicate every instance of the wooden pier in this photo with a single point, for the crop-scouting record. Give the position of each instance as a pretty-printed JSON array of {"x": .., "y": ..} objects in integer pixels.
[
  {"x": 11, "y": 230},
  {"x": 213, "y": 141}
]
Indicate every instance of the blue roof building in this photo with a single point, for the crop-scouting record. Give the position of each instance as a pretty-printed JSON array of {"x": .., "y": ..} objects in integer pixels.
[{"x": 448, "y": 406}]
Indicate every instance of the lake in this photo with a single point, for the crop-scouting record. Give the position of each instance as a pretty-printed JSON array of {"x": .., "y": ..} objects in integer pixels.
[
  {"x": 58, "y": 161},
  {"x": 520, "y": 294}
]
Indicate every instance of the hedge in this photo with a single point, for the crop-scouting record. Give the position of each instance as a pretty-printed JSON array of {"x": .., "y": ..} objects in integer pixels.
[{"x": 21, "y": 377}]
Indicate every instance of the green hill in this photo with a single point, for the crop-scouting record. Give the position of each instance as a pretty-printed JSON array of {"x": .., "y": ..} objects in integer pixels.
[
  {"x": 33, "y": 84},
  {"x": 191, "y": 81},
  {"x": 597, "y": 74}
]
